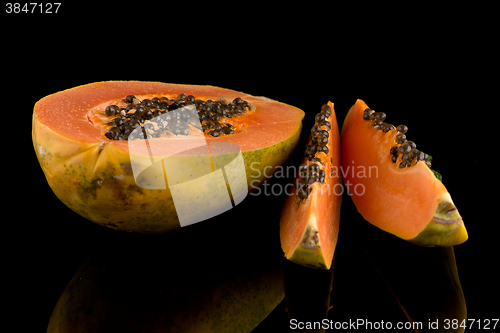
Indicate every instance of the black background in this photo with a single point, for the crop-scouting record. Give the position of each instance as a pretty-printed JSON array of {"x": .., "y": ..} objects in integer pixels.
[{"x": 436, "y": 81}]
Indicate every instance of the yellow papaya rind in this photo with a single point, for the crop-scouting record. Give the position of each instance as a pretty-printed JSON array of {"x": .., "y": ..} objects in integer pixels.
[
  {"x": 309, "y": 258},
  {"x": 446, "y": 227}
]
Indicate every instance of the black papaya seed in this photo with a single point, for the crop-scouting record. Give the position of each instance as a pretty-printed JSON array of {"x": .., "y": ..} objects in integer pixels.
[
  {"x": 111, "y": 110},
  {"x": 326, "y": 108},
  {"x": 314, "y": 167},
  {"x": 379, "y": 116},
  {"x": 326, "y": 123},
  {"x": 411, "y": 144},
  {"x": 320, "y": 117},
  {"x": 402, "y": 128},
  {"x": 323, "y": 148},
  {"x": 315, "y": 129},
  {"x": 403, "y": 149},
  {"x": 147, "y": 109}
]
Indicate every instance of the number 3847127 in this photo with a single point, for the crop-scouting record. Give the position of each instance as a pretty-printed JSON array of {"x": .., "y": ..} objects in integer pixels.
[
  {"x": 32, "y": 7},
  {"x": 484, "y": 324}
]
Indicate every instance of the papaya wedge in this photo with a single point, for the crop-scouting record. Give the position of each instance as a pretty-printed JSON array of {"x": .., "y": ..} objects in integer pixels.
[
  {"x": 310, "y": 215},
  {"x": 391, "y": 181},
  {"x": 424, "y": 280}
]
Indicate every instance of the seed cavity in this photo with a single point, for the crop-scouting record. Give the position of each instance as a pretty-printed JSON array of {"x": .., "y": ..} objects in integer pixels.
[
  {"x": 313, "y": 170},
  {"x": 403, "y": 151},
  {"x": 177, "y": 116},
  {"x": 310, "y": 240}
]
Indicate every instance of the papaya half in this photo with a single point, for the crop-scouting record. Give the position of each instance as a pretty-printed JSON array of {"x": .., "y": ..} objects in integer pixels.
[
  {"x": 392, "y": 183},
  {"x": 139, "y": 156},
  {"x": 159, "y": 283},
  {"x": 310, "y": 215}
]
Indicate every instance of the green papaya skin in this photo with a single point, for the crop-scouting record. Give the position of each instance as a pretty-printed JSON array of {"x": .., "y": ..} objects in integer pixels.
[
  {"x": 198, "y": 280},
  {"x": 424, "y": 280},
  {"x": 446, "y": 227}
]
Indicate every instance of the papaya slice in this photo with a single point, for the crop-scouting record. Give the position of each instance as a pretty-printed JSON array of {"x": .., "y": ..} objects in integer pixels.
[
  {"x": 392, "y": 184},
  {"x": 309, "y": 222},
  {"x": 138, "y": 156}
]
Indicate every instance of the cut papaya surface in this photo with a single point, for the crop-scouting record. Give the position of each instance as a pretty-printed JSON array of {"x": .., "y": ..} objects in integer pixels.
[
  {"x": 138, "y": 156},
  {"x": 392, "y": 184},
  {"x": 309, "y": 223}
]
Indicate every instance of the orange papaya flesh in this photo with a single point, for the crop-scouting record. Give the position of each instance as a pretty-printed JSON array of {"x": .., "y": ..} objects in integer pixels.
[
  {"x": 94, "y": 175},
  {"x": 409, "y": 202},
  {"x": 309, "y": 222}
]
